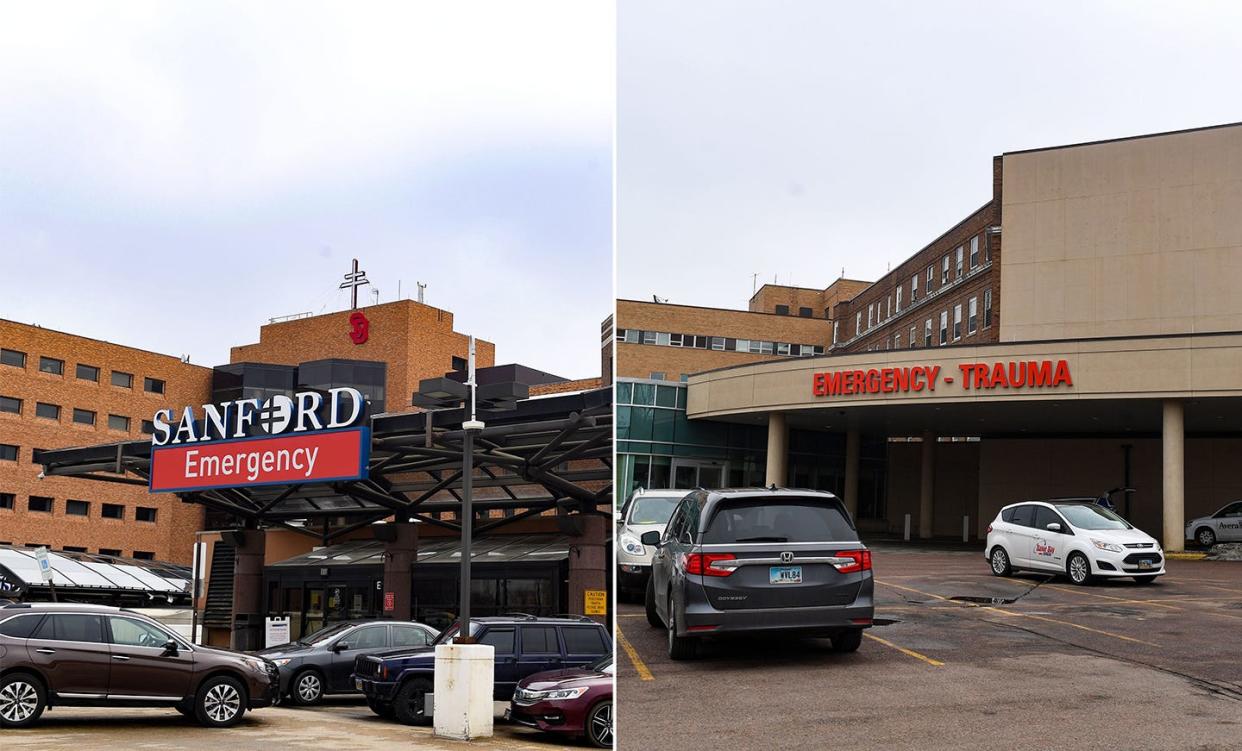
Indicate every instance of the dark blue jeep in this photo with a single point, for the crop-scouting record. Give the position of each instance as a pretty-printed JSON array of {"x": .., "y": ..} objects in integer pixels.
[{"x": 396, "y": 682}]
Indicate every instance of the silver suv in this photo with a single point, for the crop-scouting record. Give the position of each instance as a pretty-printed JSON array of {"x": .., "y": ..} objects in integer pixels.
[
  {"x": 645, "y": 511},
  {"x": 759, "y": 561}
]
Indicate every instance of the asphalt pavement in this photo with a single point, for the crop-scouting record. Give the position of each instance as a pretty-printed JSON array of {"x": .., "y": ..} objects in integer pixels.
[{"x": 1115, "y": 665}]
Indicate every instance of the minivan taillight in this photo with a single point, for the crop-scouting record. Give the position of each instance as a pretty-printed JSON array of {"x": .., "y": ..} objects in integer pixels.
[
  {"x": 861, "y": 558},
  {"x": 701, "y": 563}
]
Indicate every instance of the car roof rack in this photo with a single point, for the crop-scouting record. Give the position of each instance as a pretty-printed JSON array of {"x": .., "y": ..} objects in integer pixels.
[
  {"x": 16, "y": 605},
  {"x": 522, "y": 616},
  {"x": 574, "y": 617}
]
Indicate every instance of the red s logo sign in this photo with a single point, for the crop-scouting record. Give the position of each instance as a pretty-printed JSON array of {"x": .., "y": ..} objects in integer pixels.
[{"x": 361, "y": 327}]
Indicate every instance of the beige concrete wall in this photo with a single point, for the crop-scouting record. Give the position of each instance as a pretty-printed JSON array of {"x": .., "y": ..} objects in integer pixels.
[
  {"x": 956, "y": 492},
  {"x": 1101, "y": 369},
  {"x": 1142, "y": 236}
]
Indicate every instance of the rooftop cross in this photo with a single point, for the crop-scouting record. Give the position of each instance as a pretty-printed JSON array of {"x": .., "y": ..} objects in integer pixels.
[{"x": 354, "y": 280}]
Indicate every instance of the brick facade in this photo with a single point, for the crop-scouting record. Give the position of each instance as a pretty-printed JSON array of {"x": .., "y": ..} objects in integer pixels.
[
  {"x": 795, "y": 299},
  {"x": 170, "y": 536},
  {"x": 416, "y": 340}
]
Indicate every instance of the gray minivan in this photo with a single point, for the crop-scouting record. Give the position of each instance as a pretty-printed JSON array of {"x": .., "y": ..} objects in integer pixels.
[{"x": 759, "y": 560}]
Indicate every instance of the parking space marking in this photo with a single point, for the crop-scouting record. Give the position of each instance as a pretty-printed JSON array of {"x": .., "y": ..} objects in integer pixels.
[
  {"x": 904, "y": 651},
  {"x": 1108, "y": 597},
  {"x": 640, "y": 666},
  {"x": 1025, "y": 615}
]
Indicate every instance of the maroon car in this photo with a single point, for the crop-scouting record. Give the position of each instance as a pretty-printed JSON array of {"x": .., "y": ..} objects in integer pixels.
[{"x": 571, "y": 702}]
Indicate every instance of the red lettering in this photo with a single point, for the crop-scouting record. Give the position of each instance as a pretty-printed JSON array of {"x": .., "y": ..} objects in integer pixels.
[
  {"x": 1039, "y": 373},
  {"x": 873, "y": 381},
  {"x": 902, "y": 379},
  {"x": 967, "y": 368},
  {"x": 999, "y": 377},
  {"x": 833, "y": 385},
  {"x": 818, "y": 387},
  {"x": 1017, "y": 374},
  {"x": 932, "y": 374},
  {"x": 1062, "y": 375}
]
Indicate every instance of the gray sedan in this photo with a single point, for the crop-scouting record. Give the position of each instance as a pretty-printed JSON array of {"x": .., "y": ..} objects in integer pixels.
[{"x": 322, "y": 662}]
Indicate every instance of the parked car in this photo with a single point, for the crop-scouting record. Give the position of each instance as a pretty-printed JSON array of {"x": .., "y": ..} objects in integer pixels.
[
  {"x": 1072, "y": 536},
  {"x": 574, "y": 702},
  {"x": 759, "y": 561},
  {"x": 323, "y": 662},
  {"x": 1223, "y": 526},
  {"x": 645, "y": 511},
  {"x": 396, "y": 682},
  {"x": 97, "y": 656}
]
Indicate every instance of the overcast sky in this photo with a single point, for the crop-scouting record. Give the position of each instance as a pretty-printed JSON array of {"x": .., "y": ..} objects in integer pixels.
[
  {"x": 796, "y": 138},
  {"x": 174, "y": 174}
]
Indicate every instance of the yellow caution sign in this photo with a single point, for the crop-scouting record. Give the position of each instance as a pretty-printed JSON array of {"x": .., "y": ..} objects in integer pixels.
[{"x": 595, "y": 602}]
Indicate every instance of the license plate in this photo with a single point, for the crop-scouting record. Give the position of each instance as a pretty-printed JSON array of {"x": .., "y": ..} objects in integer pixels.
[
  {"x": 785, "y": 575},
  {"x": 1144, "y": 564},
  {"x": 358, "y": 683}
]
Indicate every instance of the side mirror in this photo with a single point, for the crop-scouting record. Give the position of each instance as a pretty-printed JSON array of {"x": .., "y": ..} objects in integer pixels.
[
  {"x": 340, "y": 646},
  {"x": 1053, "y": 526},
  {"x": 170, "y": 648},
  {"x": 620, "y": 517},
  {"x": 650, "y": 538}
]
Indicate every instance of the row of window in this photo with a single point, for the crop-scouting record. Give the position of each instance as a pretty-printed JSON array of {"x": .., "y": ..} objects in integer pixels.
[
  {"x": 946, "y": 333},
  {"x": 719, "y": 343},
  {"x": 783, "y": 310},
  {"x": 13, "y": 404},
  {"x": 73, "y": 507},
  {"x": 82, "y": 371},
  {"x": 879, "y": 312}
]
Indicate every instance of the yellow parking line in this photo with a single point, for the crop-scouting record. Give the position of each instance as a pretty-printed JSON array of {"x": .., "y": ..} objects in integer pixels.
[
  {"x": 1107, "y": 597},
  {"x": 904, "y": 651},
  {"x": 1026, "y": 615},
  {"x": 639, "y": 665}
]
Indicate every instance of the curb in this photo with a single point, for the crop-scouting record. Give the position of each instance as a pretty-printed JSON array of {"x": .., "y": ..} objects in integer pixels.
[{"x": 1185, "y": 556}]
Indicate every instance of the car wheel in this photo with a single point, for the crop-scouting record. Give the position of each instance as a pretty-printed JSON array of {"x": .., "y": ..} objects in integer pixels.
[
  {"x": 599, "y": 725},
  {"x": 22, "y": 700},
  {"x": 1205, "y": 537},
  {"x": 847, "y": 641},
  {"x": 679, "y": 647},
  {"x": 409, "y": 705},
  {"x": 1078, "y": 568},
  {"x": 306, "y": 689},
  {"x": 1145, "y": 579},
  {"x": 380, "y": 708},
  {"x": 1000, "y": 562},
  {"x": 220, "y": 703},
  {"x": 653, "y": 618}
]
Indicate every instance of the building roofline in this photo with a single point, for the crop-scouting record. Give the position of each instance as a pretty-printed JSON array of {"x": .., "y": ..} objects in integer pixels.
[
  {"x": 722, "y": 310},
  {"x": 819, "y": 290},
  {"x": 104, "y": 341},
  {"x": 1124, "y": 138}
]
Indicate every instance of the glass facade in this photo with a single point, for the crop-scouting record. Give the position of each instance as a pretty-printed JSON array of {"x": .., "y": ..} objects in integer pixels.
[{"x": 659, "y": 447}]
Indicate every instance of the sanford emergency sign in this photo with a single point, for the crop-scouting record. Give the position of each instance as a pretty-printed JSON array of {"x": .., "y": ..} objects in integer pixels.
[
  {"x": 300, "y": 439},
  {"x": 971, "y": 376}
]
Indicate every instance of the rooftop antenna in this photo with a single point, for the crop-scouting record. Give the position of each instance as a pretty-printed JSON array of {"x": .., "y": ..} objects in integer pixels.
[
  {"x": 375, "y": 291},
  {"x": 421, "y": 289},
  {"x": 754, "y": 283},
  {"x": 659, "y": 300}
]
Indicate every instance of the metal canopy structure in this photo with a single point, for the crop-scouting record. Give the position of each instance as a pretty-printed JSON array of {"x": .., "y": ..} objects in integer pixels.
[{"x": 549, "y": 453}]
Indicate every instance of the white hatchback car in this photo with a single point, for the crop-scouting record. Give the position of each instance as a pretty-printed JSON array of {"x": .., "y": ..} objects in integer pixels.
[{"x": 1071, "y": 536}]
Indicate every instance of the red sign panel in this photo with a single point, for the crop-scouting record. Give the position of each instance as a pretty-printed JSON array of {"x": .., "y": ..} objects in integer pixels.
[
  {"x": 360, "y": 327},
  {"x": 390, "y": 602},
  {"x": 974, "y": 375},
  {"x": 320, "y": 456}
]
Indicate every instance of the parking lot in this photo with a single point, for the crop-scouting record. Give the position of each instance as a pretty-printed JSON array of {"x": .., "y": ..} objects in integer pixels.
[
  {"x": 1114, "y": 665},
  {"x": 336, "y": 725}
]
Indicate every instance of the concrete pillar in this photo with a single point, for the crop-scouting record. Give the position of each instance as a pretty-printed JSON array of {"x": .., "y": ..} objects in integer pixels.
[
  {"x": 927, "y": 485},
  {"x": 249, "y": 546},
  {"x": 778, "y": 451},
  {"x": 853, "y": 448},
  {"x": 1173, "y": 441},
  {"x": 400, "y": 554},
  {"x": 588, "y": 564},
  {"x": 463, "y": 689}
]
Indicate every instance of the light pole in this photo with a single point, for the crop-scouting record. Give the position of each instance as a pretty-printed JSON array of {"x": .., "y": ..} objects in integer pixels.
[{"x": 470, "y": 428}]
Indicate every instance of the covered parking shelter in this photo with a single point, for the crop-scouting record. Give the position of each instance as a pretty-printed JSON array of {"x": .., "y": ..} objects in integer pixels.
[
  {"x": 544, "y": 466},
  {"x": 969, "y": 429}
]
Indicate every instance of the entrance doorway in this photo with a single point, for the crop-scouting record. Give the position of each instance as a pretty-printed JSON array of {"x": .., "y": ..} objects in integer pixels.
[{"x": 692, "y": 473}]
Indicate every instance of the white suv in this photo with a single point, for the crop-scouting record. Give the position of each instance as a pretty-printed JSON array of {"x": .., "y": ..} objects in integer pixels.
[
  {"x": 1072, "y": 536},
  {"x": 645, "y": 511}
]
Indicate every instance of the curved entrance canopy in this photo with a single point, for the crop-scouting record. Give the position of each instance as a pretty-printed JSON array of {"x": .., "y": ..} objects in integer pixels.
[{"x": 95, "y": 578}]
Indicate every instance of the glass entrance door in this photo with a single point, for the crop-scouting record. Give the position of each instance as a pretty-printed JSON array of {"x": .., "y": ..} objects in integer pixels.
[{"x": 692, "y": 473}]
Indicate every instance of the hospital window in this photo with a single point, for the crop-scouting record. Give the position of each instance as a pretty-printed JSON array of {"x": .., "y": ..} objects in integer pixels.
[
  {"x": 972, "y": 316},
  {"x": 930, "y": 275},
  {"x": 927, "y": 333},
  {"x": 914, "y": 288},
  {"x": 834, "y": 332},
  {"x": 899, "y": 299},
  {"x": 960, "y": 248},
  {"x": 944, "y": 327},
  {"x": 896, "y": 341},
  {"x": 675, "y": 340},
  {"x": 944, "y": 271},
  {"x": 957, "y": 322},
  {"x": 782, "y": 349},
  {"x": 718, "y": 343},
  {"x": 145, "y": 514},
  {"x": 857, "y": 323},
  {"x": 782, "y": 310},
  {"x": 632, "y": 335},
  {"x": 987, "y": 308},
  {"x": 974, "y": 252},
  {"x": 662, "y": 339},
  {"x": 914, "y": 340},
  {"x": 804, "y": 312},
  {"x": 888, "y": 308},
  {"x": 649, "y": 337},
  {"x": 870, "y": 315}
]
